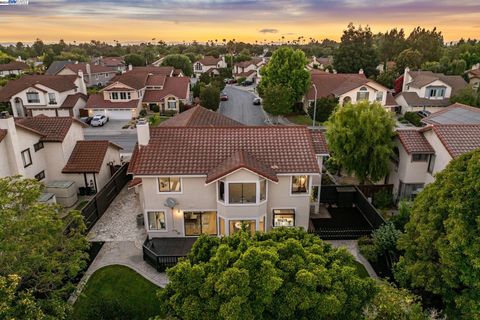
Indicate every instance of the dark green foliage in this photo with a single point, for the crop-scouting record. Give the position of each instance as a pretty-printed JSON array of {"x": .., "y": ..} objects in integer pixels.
[
  {"x": 387, "y": 78},
  {"x": 143, "y": 113},
  {"x": 382, "y": 199},
  {"x": 391, "y": 43},
  {"x": 356, "y": 51},
  {"x": 386, "y": 237},
  {"x": 196, "y": 88},
  {"x": 368, "y": 249},
  {"x": 413, "y": 118},
  {"x": 401, "y": 218},
  {"x": 428, "y": 43},
  {"x": 283, "y": 274},
  {"x": 241, "y": 79},
  {"x": 440, "y": 243},
  {"x": 278, "y": 100},
  {"x": 408, "y": 58},
  {"x": 468, "y": 96},
  {"x": 210, "y": 97},
  {"x": 108, "y": 308},
  {"x": 135, "y": 60},
  {"x": 205, "y": 78},
  {"x": 179, "y": 61},
  {"x": 155, "y": 108},
  {"x": 325, "y": 107}
]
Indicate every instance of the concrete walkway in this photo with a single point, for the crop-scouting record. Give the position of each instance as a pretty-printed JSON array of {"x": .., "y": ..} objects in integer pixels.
[{"x": 352, "y": 247}]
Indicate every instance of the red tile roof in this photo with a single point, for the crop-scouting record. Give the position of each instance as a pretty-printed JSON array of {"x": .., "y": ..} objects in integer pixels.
[
  {"x": 200, "y": 117},
  {"x": 96, "y": 101},
  {"x": 52, "y": 129},
  {"x": 319, "y": 142},
  {"x": 210, "y": 61},
  {"x": 13, "y": 65},
  {"x": 164, "y": 70},
  {"x": 245, "y": 64},
  {"x": 57, "y": 83},
  {"x": 112, "y": 61},
  {"x": 458, "y": 138},
  {"x": 335, "y": 84},
  {"x": 176, "y": 86},
  {"x": 156, "y": 80},
  {"x": 197, "y": 151},
  {"x": 88, "y": 156},
  {"x": 71, "y": 100},
  {"x": 238, "y": 160},
  {"x": 135, "y": 80},
  {"x": 3, "y": 134},
  {"x": 414, "y": 141}
]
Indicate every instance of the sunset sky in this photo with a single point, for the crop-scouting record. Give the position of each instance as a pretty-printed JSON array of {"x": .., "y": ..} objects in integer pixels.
[{"x": 243, "y": 20}]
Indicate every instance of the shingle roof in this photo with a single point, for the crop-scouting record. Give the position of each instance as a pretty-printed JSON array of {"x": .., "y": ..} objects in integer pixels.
[
  {"x": 210, "y": 61},
  {"x": 88, "y": 156},
  {"x": 136, "y": 80},
  {"x": 13, "y": 65},
  {"x": 176, "y": 86},
  {"x": 96, "y": 101},
  {"x": 457, "y": 113},
  {"x": 3, "y": 134},
  {"x": 390, "y": 100},
  {"x": 414, "y": 142},
  {"x": 57, "y": 83},
  {"x": 241, "y": 159},
  {"x": 156, "y": 80},
  {"x": 71, "y": 100},
  {"x": 94, "y": 68},
  {"x": 52, "y": 129},
  {"x": 196, "y": 151},
  {"x": 319, "y": 142},
  {"x": 245, "y": 64},
  {"x": 423, "y": 78},
  {"x": 165, "y": 70},
  {"x": 112, "y": 61},
  {"x": 56, "y": 66},
  {"x": 414, "y": 100},
  {"x": 200, "y": 117},
  {"x": 458, "y": 138}
]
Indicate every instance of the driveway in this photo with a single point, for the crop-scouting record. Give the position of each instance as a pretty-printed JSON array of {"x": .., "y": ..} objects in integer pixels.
[
  {"x": 240, "y": 107},
  {"x": 112, "y": 131}
]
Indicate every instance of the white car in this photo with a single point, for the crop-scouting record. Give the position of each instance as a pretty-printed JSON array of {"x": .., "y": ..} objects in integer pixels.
[{"x": 98, "y": 120}]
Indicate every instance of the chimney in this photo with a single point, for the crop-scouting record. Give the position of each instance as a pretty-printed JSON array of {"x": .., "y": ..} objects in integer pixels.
[
  {"x": 82, "y": 86},
  {"x": 143, "y": 132},
  {"x": 19, "y": 58},
  {"x": 130, "y": 67},
  {"x": 360, "y": 71},
  {"x": 88, "y": 69}
]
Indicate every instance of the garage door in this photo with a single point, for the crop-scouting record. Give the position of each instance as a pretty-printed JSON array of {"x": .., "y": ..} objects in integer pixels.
[{"x": 119, "y": 114}]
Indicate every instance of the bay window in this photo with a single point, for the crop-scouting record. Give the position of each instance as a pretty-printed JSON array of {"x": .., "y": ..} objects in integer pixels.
[
  {"x": 169, "y": 184},
  {"x": 240, "y": 193},
  {"x": 156, "y": 220}
]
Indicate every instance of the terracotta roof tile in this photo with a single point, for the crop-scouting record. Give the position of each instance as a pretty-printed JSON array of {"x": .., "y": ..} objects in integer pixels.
[
  {"x": 210, "y": 61},
  {"x": 335, "y": 83},
  {"x": 13, "y": 65},
  {"x": 458, "y": 138},
  {"x": 57, "y": 83},
  {"x": 319, "y": 142},
  {"x": 414, "y": 141},
  {"x": 176, "y": 86},
  {"x": 112, "y": 61},
  {"x": 164, "y": 70},
  {"x": 156, "y": 80},
  {"x": 200, "y": 117},
  {"x": 53, "y": 129},
  {"x": 391, "y": 100},
  {"x": 71, "y": 100},
  {"x": 3, "y": 134},
  {"x": 198, "y": 150},
  {"x": 96, "y": 101},
  {"x": 87, "y": 156}
]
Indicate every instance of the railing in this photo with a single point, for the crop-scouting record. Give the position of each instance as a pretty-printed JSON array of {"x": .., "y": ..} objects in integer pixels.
[
  {"x": 368, "y": 210},
  {"x": 369, "y": 190},
  {"x": 159, "y": 262}
]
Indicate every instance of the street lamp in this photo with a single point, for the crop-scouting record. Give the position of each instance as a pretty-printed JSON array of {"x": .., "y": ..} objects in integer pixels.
[{"x": 315, "y": 104}]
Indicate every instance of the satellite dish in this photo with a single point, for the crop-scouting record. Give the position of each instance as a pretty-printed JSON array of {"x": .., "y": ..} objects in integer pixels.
[{"x": 170, "y": 203}]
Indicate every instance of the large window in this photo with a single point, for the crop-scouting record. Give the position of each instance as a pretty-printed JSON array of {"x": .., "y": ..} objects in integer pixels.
[
  {"x": 33, "y": 97},
  {"x": 283, "y": 218},
  {"x": 431, "y": 163},
  {"x": 263, "y": 190},
  {"x": 51, "y": 98},
  {"x": 171, "y": 104},
  {"x": 197, "y": 223},
  {"x": 198, "y": 67},
  {"x": 409, "y": 190},
  {"x": 362, "y": 94},
  {"x": 26, "y": 158},
  {"x": 299, "y": 184},
  {"x": 156, "y": 220},
  {"x": 169, "y": 184},
  {"x": 420, "y": 157},
  {"x": 114, "y": 95},
  {"x": 379, "y": 96},
  {"x": 435, "y": 92},
  {"x": 247, "y": 225},
  {"x": 242, "y": 192}
]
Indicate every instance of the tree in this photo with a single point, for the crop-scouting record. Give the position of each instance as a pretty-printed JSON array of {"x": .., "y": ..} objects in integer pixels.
[
  {"x": 5, "y": 58},
  {"x": 428, "y": 42},
  {"x": 408, "y": 58},
  {"x": 179, "y": 61},
  {"x": 356, "y": 52},
  {"x": 36, "y": 250},
  {"x": 278, "y": 100},
  {"x": 210, "y": 97},
  {"x": 440, "y": 242},
  {"x": 15, "y": 304},
  {"x": 135, "y": 60},
  {"x": 360, "y": 138},
  {"x": 391, "y": 43},
  {"x": 387, "y": 78},
  {"x": 468, "y": 96},
  {"x": 325, "y": 107},
  {"x": 286, "y": 68},
  {"x": 284, "y": 274}
]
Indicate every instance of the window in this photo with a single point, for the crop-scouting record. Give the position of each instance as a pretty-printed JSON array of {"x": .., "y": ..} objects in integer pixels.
[
  {"x": 129, "y": 95},
  {"x": 123, "y": 95},
  {"x": 362, "y": 94},
  {"x": 40, "y": 176},
  {"x": 221, "y": 191},
  {"x": 283, "y": 218},
  {"x": 242, "y": 192},
  {"x": 435, "y": 92},
  {"x": 33, "y": 97},
  {"x": 261, "y": 224},
  {"x": 156, "y": 220},
  {"x": 38, "y": 146},
  {"x": 346, "y": 100},
  {"x": 26, "y": 157},
  {"x": 299, "y": 184},
  {"x": 171, "y": 103},
  {"x": 409, "y": 190},
  {"x": 263, "y": 190},
  {"x": 379, "y": 96},
  {"x": 431, "y": 163},
  {"x": 395, "y": 158},
  {"x": 51, "y": 98},
  {"x": 198, "y": 66},
  {"x": 197, "y": 223},
  {"x": 114, "y": 96},
  {"x": 237, "y": 225},
  {"x": 420, "y": 157},
  {"x": 169, "y": 184}
]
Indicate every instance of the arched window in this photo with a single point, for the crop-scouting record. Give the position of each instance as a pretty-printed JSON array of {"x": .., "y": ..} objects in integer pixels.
[
  {"x": 172, "y": 103},
  {"x": 362, "y": 94},
  {"x": 346, "y": 100}
]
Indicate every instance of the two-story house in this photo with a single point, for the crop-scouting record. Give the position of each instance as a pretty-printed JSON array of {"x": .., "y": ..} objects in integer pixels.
[
  {"x": 95, "y": 75},
  {"x": 209, "y": 64},
  {"x": 421, "y": 153},
  {"x": 474, "y": 76},
  {"x": 12, "y": 68},
  {"x": 145, "y": 87},
  {"x": 250, "y": 70},
  {"x": 219, "y": 179},
  {"x": 49, "y": 95},
  {"x": 53, "y": 149},
  {"x": 116, "y": 63},
  {"x": 346, "y": 87},
  {"x": 425, "y": 90}
]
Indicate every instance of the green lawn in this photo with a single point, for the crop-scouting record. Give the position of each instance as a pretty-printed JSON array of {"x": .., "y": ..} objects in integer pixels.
[
  {"x": 362, "y": 272},
  {"x": 157, "y": 119},
  {"x": 301, "y": 119},
  {"x": 117, "y": 292}
]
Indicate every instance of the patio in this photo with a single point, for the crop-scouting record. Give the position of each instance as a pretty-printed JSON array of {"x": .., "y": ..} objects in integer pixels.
[{"x": 162, "y": 253}]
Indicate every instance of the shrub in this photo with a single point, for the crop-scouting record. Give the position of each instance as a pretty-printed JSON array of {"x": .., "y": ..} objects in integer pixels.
[
  {"x": 155, "y": 108},
  {"x": 331, "y": 166},
  {"x": 143, "y": 113},
  {"x": 401, "y": 218},
  {"x": 368, "y": 249},
  {"x": 382, "y": 199},
  {"x": 385, "y": 238},
  {"x": 325, "y": 107},
  {"x": 241, "y": 79},
  {"x": 170, "y": 113},
  {"x": 413, "y": 118}
]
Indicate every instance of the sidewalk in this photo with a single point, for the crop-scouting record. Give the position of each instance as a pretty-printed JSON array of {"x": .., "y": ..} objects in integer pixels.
[{"x": 352, "y": 247}]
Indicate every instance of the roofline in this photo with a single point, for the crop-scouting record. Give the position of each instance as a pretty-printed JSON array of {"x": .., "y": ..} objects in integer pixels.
[{"x": 236, "y": 169}]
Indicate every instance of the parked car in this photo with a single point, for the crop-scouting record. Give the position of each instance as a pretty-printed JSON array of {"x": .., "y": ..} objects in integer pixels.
[
  {"x": 98, "y": 120},
  {"x": 86, "y": 120},
  {"x": 257, "y": 101},
  {"x": 229, "y": 81},
  {"x": 223, "y": 96},
  {"x": 424, "y": 113},
  {"x": 247, "y": 83}
]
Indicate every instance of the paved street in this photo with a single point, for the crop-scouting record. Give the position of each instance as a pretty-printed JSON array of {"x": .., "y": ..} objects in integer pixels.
[
  {"x": 240, "y": 107},
  {"x": 113, "y": 131}
]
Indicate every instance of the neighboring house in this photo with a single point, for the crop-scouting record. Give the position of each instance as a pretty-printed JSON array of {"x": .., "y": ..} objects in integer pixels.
[
  {"x": 200, "y": 117},
  {"x": 474, "y": 76},
  {"x": 94, "y": 75},
  {"x": 319, "y": 63},
  {"x": 209, "y": 64},
  {"x": 56, "y": 66},
  {"x": 346, "y": 87},
  {"x": 52, "y": 96},
  {"x": 214, "y": 180},
  {"x": 250, "y": 70},
  {"x": 421, "y": 153},
  {"x": 13, "y": 68},
  {"x": 116, "y": 63},
  {"x": 148, "y": 87},
  {"x": 425, "y": 90},
  {"x": 46, "y": 149}
]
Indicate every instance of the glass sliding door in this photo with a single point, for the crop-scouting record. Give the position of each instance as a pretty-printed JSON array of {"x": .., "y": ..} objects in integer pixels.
[{"x": 198, "y": 222}]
